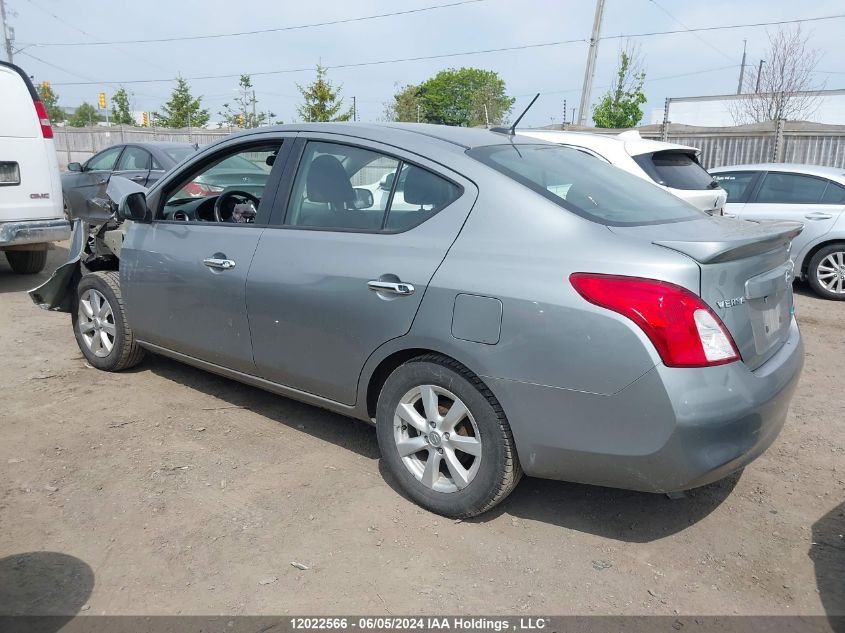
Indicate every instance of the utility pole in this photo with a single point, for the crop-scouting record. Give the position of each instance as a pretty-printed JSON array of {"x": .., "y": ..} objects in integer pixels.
[
  {"x": 8, "y": 32},
  {"x": 564, "y": 113},
  {"x": 254, "y": 120},
  {"x": 354, "y": 109},
  {"x": 590, "y": 70},
  {"x": 741, "y": 69},
  {"x": 486, "y": 116},
  {"x": 759, "y": 74},
  {"x": 418, "y": 113}
]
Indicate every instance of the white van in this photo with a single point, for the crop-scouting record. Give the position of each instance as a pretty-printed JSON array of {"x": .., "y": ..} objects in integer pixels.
[
  {"x": 31, "y": 212},
  {"x": 674, "y": 168}
]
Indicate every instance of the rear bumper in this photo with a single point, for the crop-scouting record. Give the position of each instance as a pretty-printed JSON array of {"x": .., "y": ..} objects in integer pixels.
[
  {"x": 33, "y": 232},
  {"x": 672, "y": 429}
]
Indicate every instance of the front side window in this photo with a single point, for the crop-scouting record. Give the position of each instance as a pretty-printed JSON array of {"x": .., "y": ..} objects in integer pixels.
[
  {"x": 783, "y": 188},
  {"x": 735, "y": 183},
  {"x": 228, "y": 189},
  {"x": 104, "y": 161},
  {"x": 344, "y": 187},
  {"x": 585, "y": 186},
  {"x": 134, "y": 158}
]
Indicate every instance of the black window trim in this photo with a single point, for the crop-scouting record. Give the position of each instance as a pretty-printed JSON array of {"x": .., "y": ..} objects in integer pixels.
[
  {"x": 756, "y": 177},
  {"x": 296, "y": 162},
  {"x": 759, "y": 186},
  {"x": 206, "y": 158}
]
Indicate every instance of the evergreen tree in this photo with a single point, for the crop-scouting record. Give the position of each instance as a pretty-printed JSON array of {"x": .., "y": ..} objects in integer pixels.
[
  {"x": 120, "y": 108},
  {"x": 182, "y": 109},
  {"x": 321, "y": 101}
]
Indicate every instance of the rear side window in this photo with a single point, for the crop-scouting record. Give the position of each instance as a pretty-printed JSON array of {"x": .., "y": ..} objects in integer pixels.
[
  {"x": 676, "y": 170},
  {"x": 735, "y": 183},
  {"x": 782, "y": 188},
  {"x": 586, "y": 186},
  {"x": 834, "y": 194},
  {"x": 134, "y": 158}
]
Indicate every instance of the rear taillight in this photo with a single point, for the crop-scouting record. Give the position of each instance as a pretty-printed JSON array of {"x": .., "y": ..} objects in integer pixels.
[
  {"x": 685, "y": 331},
  {"x": 46, "y": 128},
  {"x": 201, "y": 190}
]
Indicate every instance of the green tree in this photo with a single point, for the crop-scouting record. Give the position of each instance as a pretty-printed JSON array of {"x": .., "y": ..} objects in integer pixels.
[
  {"x": 85, "y": 114},
  {"x": 620, "y": 107},
  {"x": 51, "y": 102},
  {"x": 246, "y": 114},
  {"x": 406, "y": 105},
  {"x": 463, "y": 96},
  {"x": 120, "y": 108},
  {"x": 182, "y": 109},
  {"x": 321, "y": 100}
]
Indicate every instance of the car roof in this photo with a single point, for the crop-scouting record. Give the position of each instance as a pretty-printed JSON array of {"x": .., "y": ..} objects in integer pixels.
[
  {"x": 404, "y": 134},
  {"x": 158, "y": 144},
  {"x": 834, "y": 173},
  {"x": 634, "y": 144}
]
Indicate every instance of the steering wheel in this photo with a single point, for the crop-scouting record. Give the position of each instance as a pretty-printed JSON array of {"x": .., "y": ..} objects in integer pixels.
[{"x": 224, "y": 197}]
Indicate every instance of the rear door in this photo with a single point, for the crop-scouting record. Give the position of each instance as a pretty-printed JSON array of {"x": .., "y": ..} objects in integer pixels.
[
  {"x": 340, "y": 272},
  {"x": 134, "y": 164},
  {"x": 738, "y": 185},
  {"x": 798, "y": 197}
]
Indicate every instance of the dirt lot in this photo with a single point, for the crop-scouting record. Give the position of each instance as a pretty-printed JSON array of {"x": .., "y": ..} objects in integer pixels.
[{"x": 166, "y": 490}]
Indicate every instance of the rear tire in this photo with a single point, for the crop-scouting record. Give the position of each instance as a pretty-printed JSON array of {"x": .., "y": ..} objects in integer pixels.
[
  {"x": 99, "y": 323},
  {"x": 27, "y": 262},
  {"x": 826, "y": 272},
  {"x": 466, "y": 461}
]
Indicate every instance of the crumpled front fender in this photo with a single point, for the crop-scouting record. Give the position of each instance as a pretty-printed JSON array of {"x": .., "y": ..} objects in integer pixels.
[{"x": 57, "y": 293}]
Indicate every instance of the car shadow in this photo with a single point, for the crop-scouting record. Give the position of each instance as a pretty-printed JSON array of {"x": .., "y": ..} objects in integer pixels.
[
  {"x": 42, "y": 591},
  {"x": 828, "y": 555},
  {"x": 345, "y": 432},
  {"x": 12, "y": 282}
]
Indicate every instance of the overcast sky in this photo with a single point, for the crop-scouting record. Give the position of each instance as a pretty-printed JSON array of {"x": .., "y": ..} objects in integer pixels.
[{"x": 677, "y": 65}]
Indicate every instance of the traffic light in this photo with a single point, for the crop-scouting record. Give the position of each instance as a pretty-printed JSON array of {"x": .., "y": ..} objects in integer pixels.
[
  {"x": 102, "y": 101},
  {"x": 146, "y": 118}
]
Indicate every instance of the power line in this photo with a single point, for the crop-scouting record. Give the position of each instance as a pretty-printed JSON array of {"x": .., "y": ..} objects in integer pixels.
[
  {"x": 259, "y": 31},
  {"x": 706, "y": 42},
  {"x": 463, "y": 53}
]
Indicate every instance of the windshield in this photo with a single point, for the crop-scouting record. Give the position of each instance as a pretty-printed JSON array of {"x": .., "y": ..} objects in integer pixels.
[
  {"x": 588, "y": 187},
  {"x": 178, "y": 154}
]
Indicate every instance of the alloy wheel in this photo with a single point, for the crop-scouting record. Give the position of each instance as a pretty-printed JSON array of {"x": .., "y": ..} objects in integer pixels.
[
  {"x": 437, "y": 438},
  {"x": 831, "y": 272},
  {"x": 96, "y": 323}
]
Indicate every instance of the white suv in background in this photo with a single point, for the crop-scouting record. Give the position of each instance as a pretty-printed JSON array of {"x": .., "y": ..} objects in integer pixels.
[
  {"x": 31, "y": 212},
  {"x": 674, "y": 168}
]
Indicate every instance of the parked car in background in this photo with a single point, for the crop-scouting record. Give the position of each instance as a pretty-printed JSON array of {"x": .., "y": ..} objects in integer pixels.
[
  {"x": 674, "y": 168},
  {"x": 30, "y": 188},
  {"x": 809, "y": 194},
  {"x": 143, "y": 163},
  {"x": 524, "y": 308}
]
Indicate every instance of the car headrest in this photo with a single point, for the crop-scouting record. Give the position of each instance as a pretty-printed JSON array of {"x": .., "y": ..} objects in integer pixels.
[
  {"x": 423, "y": 187},
  {"x": 327, "y": 181}
]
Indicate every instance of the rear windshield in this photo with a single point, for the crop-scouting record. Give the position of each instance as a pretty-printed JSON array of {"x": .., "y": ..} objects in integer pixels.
[
  {"x": 588, "y": 187},
  {"x": 677, "y": 170}
]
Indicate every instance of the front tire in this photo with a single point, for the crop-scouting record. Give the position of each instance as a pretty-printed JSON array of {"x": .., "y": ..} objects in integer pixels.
[
  {"x": 826, "y": 272},
  {"x": 445, "y": 438},
  {"x": 99, "y": 323},
  {"x": 27, "y": 262}
]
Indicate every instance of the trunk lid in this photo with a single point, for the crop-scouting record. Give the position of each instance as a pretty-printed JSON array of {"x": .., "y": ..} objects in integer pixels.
[{"x": 746, "y": 275}]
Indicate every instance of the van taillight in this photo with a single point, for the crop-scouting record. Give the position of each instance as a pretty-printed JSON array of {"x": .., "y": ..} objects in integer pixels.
[
  {"x": 46, "y": 128},
  {"x": 685, "y": 331}
]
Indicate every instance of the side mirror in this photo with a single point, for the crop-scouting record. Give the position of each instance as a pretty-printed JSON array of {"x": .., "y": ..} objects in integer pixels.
[
  {"x": 363, "y": 198},
  {"x": 386, "y": 181},
  {"x": 74, "y": 167},
  {"x": 134, "y": 207}
]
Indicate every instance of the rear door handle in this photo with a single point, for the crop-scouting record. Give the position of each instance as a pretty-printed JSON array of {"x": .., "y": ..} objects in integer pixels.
[
  {"x": 393, "y": 287},
  {"x": 138, "y": 178},
  {"x": 818, "y": 215},
  {"x": 219, "y": 264}
]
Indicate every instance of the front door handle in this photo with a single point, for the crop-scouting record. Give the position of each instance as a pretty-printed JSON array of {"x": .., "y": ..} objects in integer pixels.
[
  {"x": 393, "y": 287},
  {"x": 818, "y": 215},
  {"x": 219, "y": 264}
]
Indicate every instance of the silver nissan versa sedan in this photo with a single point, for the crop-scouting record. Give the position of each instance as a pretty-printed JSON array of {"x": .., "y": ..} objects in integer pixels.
[{"x": 509, "y": 306}]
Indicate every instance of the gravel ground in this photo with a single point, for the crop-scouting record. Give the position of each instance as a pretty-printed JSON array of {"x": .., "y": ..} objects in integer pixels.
[{"x": 166, "y": 490}]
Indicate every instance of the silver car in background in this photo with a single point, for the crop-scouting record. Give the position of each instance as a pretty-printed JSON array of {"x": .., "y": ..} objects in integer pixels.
[
  {"x": 809, "y": 194},
  {"x": 524, "y": 308}
]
